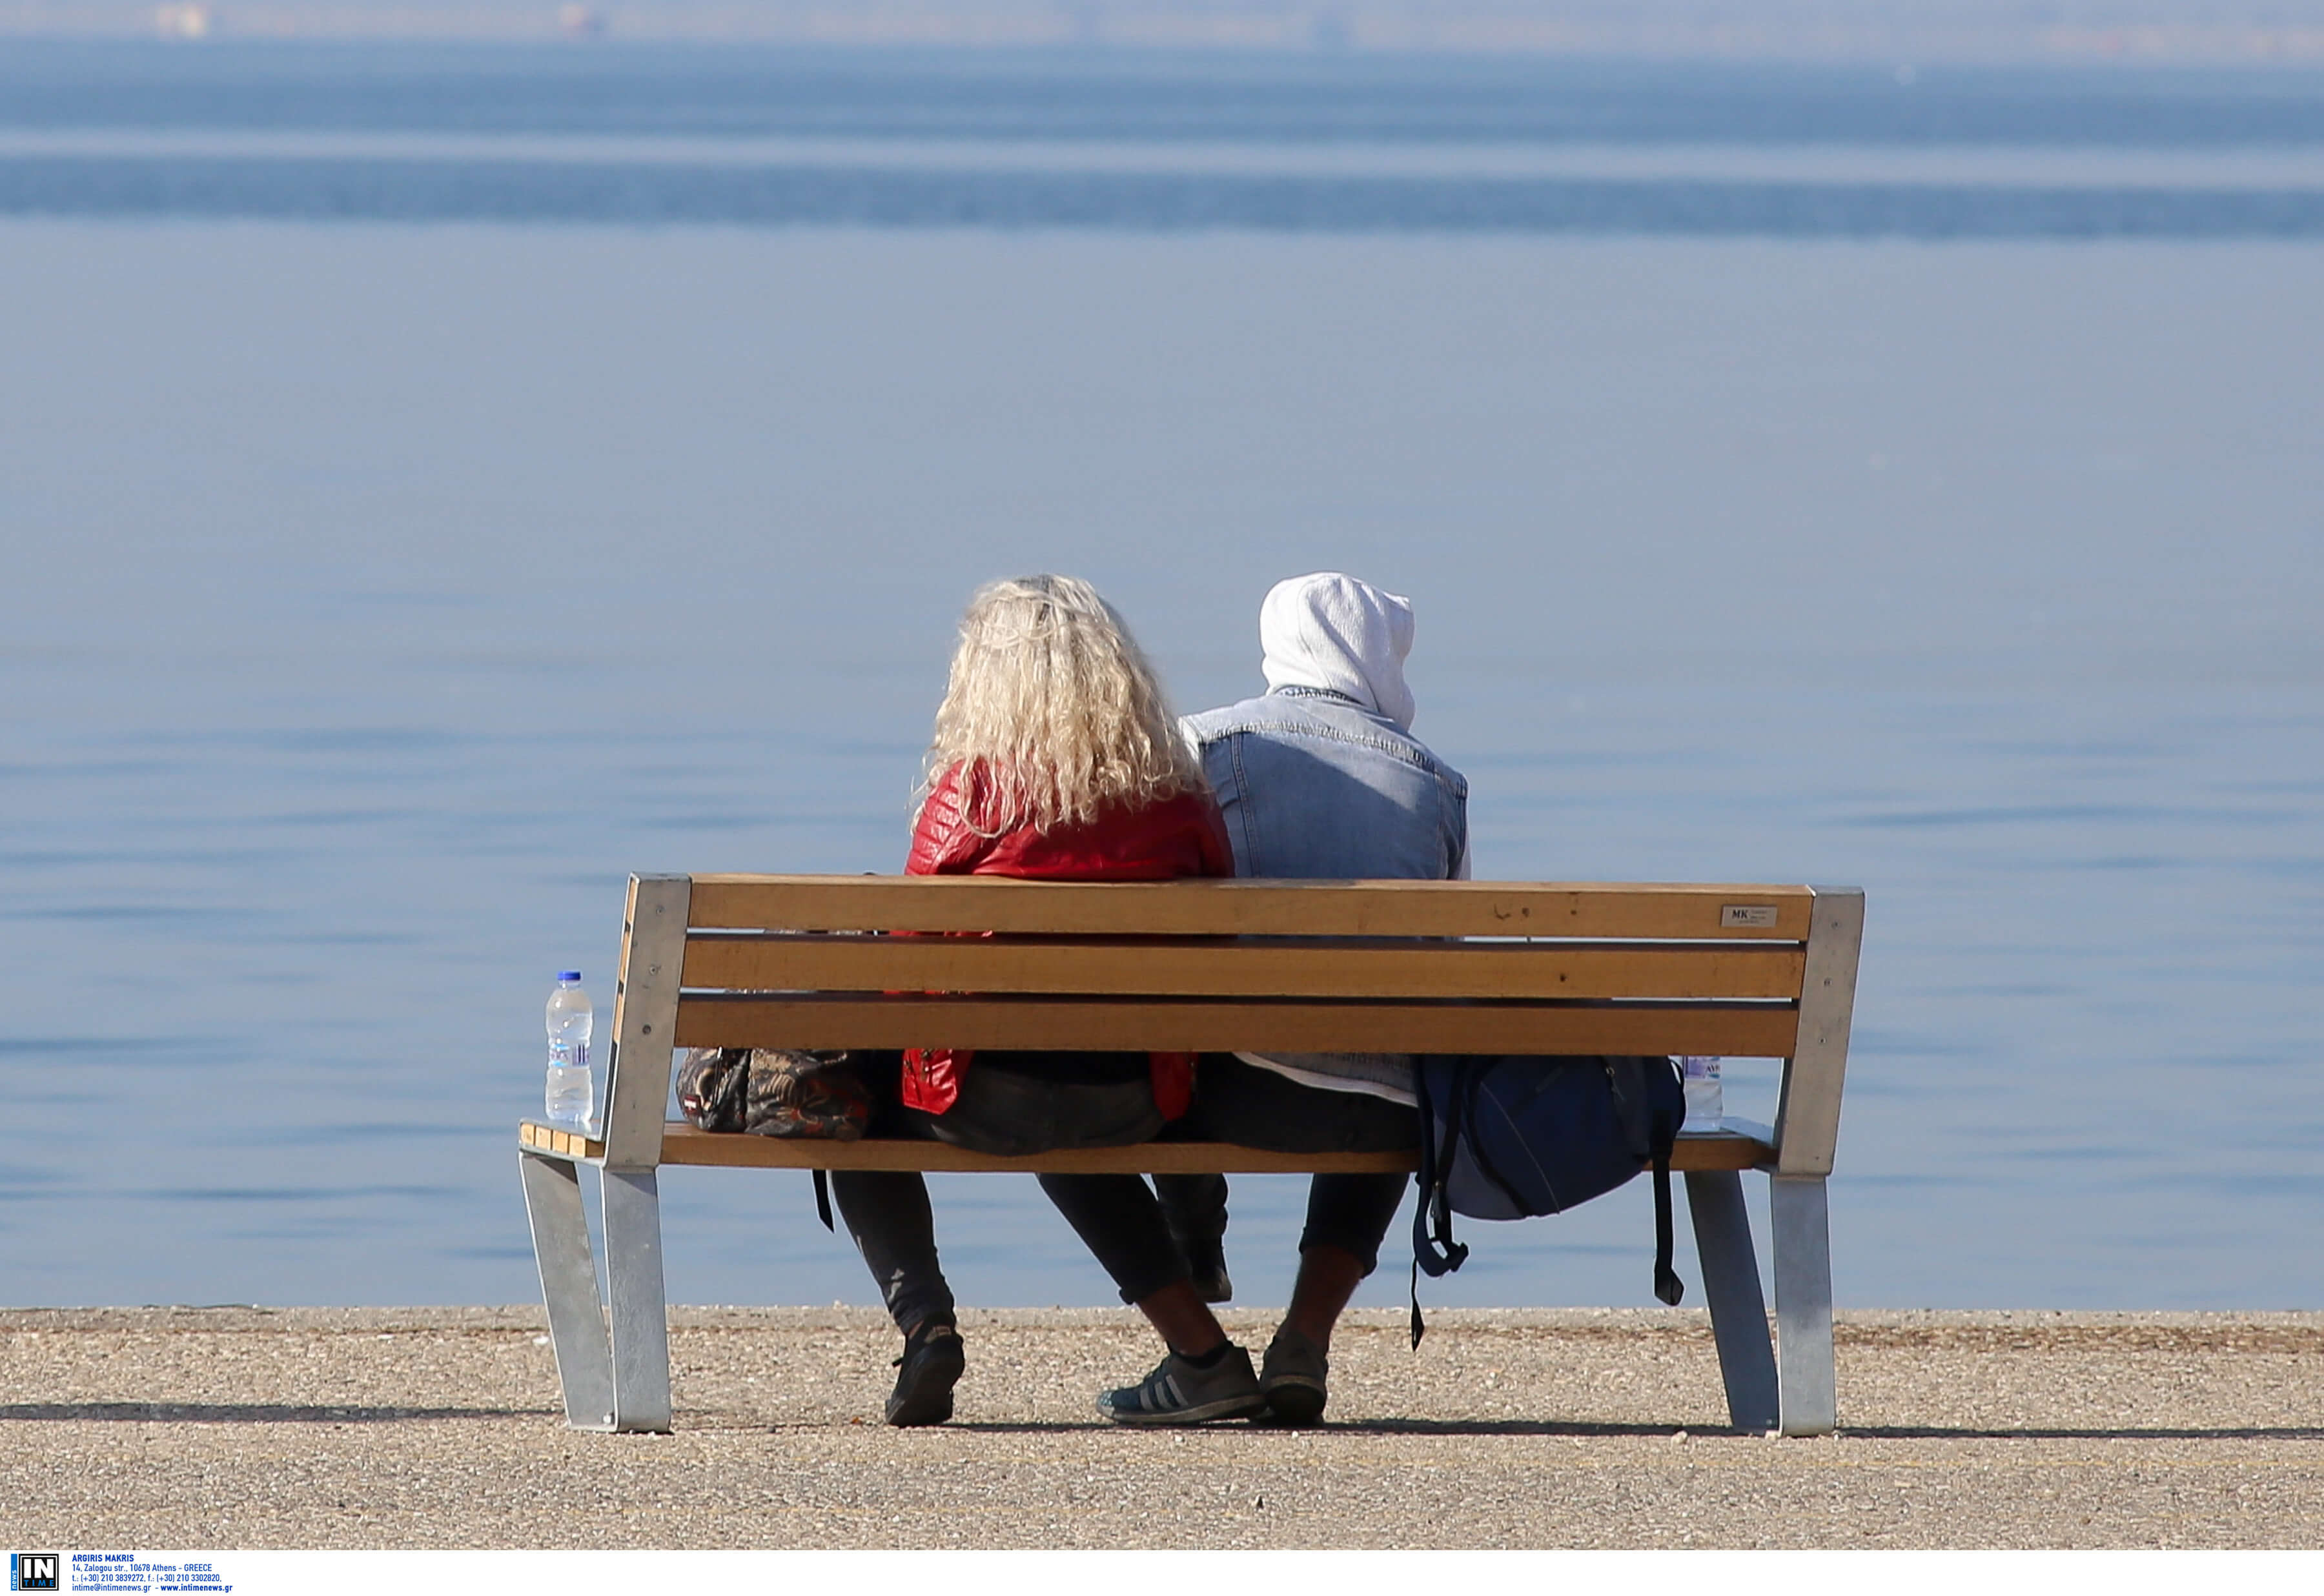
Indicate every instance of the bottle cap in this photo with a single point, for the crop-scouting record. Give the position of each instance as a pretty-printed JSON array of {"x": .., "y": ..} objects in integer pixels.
[{"x": 568, "y": 975}]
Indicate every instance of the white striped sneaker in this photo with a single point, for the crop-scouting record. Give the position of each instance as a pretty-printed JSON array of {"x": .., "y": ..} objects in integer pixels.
[{"x": 1178, "y": 1392}]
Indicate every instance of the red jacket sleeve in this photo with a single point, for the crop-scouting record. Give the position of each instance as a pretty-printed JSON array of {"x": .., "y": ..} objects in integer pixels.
[
  {"x": 943, "y": 841},
  {"x": 943, "y": 844},
  {"x": 1217, "y": 847}
]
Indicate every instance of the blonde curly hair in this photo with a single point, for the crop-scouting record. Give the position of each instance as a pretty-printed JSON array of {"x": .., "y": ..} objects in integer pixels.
[{"x": 1054, "y": 701}]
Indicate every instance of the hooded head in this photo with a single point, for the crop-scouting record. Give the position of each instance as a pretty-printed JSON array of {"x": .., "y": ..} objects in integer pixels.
[{"x": 1333, "y": 632}]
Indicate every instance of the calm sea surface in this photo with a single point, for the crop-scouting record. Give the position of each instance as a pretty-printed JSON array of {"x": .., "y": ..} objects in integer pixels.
[{"x": 434, "y": 484}]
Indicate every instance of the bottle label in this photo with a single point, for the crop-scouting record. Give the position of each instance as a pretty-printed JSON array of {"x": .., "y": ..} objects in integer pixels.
[{"x": 1704, "y": 1109}]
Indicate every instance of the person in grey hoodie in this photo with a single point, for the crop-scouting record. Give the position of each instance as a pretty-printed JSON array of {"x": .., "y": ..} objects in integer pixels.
[{"x": 1319, "y": 777}]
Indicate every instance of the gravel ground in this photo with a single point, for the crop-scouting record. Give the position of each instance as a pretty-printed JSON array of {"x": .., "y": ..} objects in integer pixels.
[{"x": 312, "y": 1428}]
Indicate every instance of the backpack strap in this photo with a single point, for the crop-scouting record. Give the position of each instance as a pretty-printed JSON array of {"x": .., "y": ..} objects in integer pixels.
[
  {"x": 1434, "y": 1251},
  {"x": 1668, "y": 1286},
  {"x": 1433, "y": 1245},
  {"x": 822, "y": 1201}
]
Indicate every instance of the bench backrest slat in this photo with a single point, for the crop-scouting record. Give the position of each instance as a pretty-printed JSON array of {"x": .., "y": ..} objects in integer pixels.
[
  {"x": 1249, "y": 908},
  {"x": 1344, "y": 967},
  {"x": 1192, "y": 1025}
]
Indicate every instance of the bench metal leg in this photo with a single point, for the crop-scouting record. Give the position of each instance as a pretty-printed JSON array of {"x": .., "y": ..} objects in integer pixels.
[
  {"x": 641, "y": 1317},
  {"x": 1803, "y": 1226},
  {"x": 569, "y": 1285},
  {"x": 1730, "y": 1284}
]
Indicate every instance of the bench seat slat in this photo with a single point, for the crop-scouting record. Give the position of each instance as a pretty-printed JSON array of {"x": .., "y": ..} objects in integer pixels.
[
  {"x": 809, "y": 1020},
  {"x": 1335, "y": 967},
  {"x": 1249, "y": 908},
  {"x": 682, "y": 1143}
]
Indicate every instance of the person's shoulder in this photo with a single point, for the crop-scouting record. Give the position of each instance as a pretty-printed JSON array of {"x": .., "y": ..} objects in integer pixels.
[
  {"x": 1450, "y": 777},
  {"x": 943, "y": 842},
  {"x": 1271, "y": 714},
  {"x": 1210, "y": 725},
  {"x": 1438, "y": 762},
  {"x": 1430, "y": 760},
  {"x": 1299, "y": 717},
  {"x": 1398, "y": 743},
  {"x": 949, "y": 796}
]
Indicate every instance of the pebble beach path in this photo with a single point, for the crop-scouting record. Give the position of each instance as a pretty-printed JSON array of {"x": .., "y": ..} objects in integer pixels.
[{"x": 237, "y": 1427}]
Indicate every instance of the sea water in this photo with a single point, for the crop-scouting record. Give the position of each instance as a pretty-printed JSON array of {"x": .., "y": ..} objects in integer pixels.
[{"x": 1848, "y": 491}]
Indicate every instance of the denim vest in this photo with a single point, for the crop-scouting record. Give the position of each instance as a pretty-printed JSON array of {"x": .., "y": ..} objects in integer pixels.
[{"x": 1312, "y": 785}]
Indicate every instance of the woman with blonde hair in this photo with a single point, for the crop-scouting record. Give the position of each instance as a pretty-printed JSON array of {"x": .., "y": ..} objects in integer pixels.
[{"x": 1054, "y": 757}]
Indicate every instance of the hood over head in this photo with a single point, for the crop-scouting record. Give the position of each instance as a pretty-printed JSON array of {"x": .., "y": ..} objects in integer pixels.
[{"x": 1333, "y": 632}]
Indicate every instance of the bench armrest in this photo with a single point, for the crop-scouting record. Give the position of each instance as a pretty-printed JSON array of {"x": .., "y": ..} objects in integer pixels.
[
  {"x": 645, "y": 1019},
  {"x": 1807, "y": 1118}
]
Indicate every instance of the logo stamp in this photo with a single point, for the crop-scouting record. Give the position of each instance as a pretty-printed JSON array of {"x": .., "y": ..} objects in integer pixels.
[
  {"x": 34, "y": 1570},
  {"x": 1748, "y": 915}
]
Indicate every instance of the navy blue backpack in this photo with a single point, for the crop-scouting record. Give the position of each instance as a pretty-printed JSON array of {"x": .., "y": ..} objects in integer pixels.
[{"x": 1510, "y": 1137}]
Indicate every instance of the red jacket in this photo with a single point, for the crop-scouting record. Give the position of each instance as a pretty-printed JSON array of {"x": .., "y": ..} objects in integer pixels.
[{"x": 1182, "y": 836}]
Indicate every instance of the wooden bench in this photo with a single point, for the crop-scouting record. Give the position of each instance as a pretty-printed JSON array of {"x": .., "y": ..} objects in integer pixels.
[{"x": 805, "y": 961}]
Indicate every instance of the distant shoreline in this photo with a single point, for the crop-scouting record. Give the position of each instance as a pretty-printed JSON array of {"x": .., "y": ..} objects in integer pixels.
[{"x": 1998, "y": 32}]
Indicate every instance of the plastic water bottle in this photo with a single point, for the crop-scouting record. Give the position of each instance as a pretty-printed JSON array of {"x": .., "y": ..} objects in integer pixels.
[
  {"x": 572, "y": 1093},
  {"x": 1704, "y": 1109}
]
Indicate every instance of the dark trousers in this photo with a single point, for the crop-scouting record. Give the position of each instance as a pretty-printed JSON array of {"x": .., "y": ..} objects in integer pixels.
[
  {"x": 889, "y": 1216},
  {"x": 1249, "y": 1107},
  {"x": 1140, "y": 1241},
  {"x": 1002, "y": 1110}
]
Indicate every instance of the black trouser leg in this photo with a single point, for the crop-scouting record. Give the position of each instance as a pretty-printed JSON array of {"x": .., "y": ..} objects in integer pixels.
[
  {"x": 1194, "y": 1207},
  {"x": 1119, "y": 1219},
  {"x": 894, "y": 1228},
  {"x": 1254, "y": 1108},
  {"x": 1352, "y": 1213}
]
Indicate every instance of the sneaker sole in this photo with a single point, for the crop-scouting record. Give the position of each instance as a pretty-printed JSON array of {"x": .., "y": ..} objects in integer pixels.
[
  {"x": 1296, "y": 1402},
  {"x": 929, "y": 1401},
  {"x": 1225, "y": 1407}
]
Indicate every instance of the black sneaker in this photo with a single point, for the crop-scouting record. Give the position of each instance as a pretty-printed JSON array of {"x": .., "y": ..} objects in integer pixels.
[
  {"x": 930, "y": 1367},
  {"x": 1178, "y": 1392},
  {"x": 1292, "y": 1376}
]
